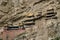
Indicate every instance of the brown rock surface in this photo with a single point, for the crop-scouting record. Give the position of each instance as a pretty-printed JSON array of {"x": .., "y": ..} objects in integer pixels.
[{"x": 40, "y": 19}]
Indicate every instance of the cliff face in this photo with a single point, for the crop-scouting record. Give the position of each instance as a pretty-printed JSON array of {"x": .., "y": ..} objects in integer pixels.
[{"x": 40, "y": 18}]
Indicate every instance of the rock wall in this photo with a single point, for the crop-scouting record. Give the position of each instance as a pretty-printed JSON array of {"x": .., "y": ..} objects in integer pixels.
[{"x": 40, "y": 18}]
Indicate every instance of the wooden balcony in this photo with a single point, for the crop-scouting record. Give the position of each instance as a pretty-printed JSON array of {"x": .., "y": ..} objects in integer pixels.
[{"x": 29, "y": 23}]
